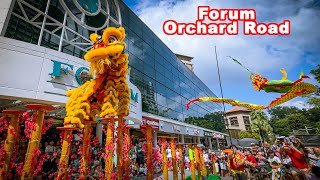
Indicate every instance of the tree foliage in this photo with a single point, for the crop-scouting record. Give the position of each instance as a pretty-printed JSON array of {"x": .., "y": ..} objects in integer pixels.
[
  {"x": 247, "y": 134},
  {"x": 260, "y": 124},
  {"x": 213, "y": 121},
  {"x": 316, "y": 72}
]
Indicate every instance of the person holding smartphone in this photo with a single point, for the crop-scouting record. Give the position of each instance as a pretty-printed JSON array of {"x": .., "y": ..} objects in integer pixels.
[{"x": 296, "y": 153}]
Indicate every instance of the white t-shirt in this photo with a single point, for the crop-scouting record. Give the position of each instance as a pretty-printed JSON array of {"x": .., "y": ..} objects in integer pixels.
[
  {"x": 274, "y": 159},
  {"x": 50, "y": 149},
  {"x": 169, "y": 153}
]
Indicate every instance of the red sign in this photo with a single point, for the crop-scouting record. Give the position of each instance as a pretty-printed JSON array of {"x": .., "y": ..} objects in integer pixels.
[{"x": 150, "y": 122}]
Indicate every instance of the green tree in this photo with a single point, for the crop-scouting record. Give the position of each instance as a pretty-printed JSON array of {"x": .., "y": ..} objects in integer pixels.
[
  {"x": 297, "y": 121},
  {"x": 316, "y": 72},
  {"x": 247, "y": 134},
  {"x": 260, "y": 124},
  {"x": 281, "y": 113},
  {"x": 213, "y": 121},
  {"x": 281, "y": 127}
]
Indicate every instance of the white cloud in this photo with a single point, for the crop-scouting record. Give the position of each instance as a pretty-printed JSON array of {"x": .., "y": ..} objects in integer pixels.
[
  {"x": 263, "y": 54},
  {"x": 299, "y": 104}
]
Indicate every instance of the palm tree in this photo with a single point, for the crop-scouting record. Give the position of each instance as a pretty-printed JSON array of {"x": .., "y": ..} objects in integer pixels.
[{"x": 260, "y": 124}]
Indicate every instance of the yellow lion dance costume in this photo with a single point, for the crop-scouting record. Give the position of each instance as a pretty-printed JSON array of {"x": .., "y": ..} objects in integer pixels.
[{"x": 107, "y": 94}]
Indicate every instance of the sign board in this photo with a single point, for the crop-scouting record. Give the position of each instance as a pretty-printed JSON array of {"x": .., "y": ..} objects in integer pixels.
[
  {"x": 151, "y": 122},
  {"x": 210, "y": 134}
]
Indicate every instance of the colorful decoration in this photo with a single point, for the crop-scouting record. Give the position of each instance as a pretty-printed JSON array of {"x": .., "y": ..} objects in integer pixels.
[
  {"x": 10, "y": 142},
  {"x": 287, "y": 88},
  {"x": 34, "y": 142},
  {"x": 181, "y": 161},
  {"x": 174, "y": 157},
  {"x": 191, "y": 157},
  {"x": 164, "y": 156},
  {"x": 107, "y": 94}
]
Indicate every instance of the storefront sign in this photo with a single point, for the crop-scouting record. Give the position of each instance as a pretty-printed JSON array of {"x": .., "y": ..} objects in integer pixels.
[
  {"x": 196, "y": 132},
  {"x": 208, "y": 133},
  {"x": 219, "y": 136},
  {"x": 176, "y": 128},
  {"x": 151, "y": 122}
]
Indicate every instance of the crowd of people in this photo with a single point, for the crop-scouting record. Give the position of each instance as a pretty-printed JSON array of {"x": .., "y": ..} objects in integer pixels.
[{"x": 286, "y": 158}]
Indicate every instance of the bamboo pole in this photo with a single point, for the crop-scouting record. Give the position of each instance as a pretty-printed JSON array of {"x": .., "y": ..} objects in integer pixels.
[
  {"x": 65, "y": 153},
  {"x": 149, "y": 152},
  {"x": 164, "y": 156},
  {"x": 12, "y": 135},
  {"x": 174, "y": 158},
  {"x": 85, "y": 150},
  {"x": 34, "y": 142},
  {"x": 127, "y": 159},
  {"x": 119, "y": 148},
  {"x": 196, "y": 154},
  {"x": 109, "y": 150},
  {"x": 191, "y": 157},
  {"x": 181, "y": 161},
  {"x": 202, "y": 165},
  {"x": 214, "y": 165}
]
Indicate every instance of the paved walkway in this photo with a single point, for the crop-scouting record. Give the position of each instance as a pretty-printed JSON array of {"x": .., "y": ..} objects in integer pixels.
[{"x": 170, "y": 173}]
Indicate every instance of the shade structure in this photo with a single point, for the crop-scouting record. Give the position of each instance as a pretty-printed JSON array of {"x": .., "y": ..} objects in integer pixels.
[{"x": 246, "y": 142}]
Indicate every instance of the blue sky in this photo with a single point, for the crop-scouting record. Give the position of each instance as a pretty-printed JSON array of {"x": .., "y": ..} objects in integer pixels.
[{"x": 261, "y": 54}]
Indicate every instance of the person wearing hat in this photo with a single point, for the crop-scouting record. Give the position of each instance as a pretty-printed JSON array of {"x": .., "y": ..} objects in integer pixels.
[{"x": 237, "y": 162}]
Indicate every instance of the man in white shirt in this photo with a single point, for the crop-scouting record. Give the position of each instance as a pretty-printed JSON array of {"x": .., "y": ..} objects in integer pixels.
[{"x": 50, "y": 149}]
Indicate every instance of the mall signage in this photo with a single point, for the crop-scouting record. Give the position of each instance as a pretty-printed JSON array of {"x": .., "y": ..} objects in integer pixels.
[
  {"x": 196, "y": 132},
  {"x": 151, "y": 122},
  {"x": 208, "y": 133},
  {"x": 176, "y": 128},
  {"x": 81, "y": 75},
  {"x": 218, "y": 136}
]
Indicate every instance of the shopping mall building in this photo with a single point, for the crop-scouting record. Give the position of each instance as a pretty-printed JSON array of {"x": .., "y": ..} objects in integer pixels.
[{"x": 42, "y": 44}]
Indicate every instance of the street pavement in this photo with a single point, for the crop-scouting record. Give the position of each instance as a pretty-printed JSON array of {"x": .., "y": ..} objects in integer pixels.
[{"x": 170, "y": 173}]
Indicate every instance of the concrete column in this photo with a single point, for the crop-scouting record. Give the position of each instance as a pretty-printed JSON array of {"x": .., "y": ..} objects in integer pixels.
[
  {"x": 210, "y": 144},
  {"x": 206, "y": 141},
  {"x": 99, "y": 132},
  {"x": 217, "y": 139},
  {"x": 194, "y": 139},
  {"x": 182, "y": 138},
  {"x": 5, "y": 8},
  {"x": 155, "y": 138},
  {"x": 198, "y": 140}
]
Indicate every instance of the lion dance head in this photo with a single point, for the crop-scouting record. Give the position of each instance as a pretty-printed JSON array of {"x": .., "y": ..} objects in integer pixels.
[{"x": 106, "y": 50}]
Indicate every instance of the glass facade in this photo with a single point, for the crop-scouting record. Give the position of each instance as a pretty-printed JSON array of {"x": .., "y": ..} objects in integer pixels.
[{"x": 165, "y": 82}]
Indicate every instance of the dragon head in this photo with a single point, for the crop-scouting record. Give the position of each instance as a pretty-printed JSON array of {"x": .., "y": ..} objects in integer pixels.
[
  {"x": 106, "y": 49},
  {"x": 257, "y": 81}
]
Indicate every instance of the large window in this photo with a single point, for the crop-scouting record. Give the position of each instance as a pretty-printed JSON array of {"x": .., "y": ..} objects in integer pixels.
[
  {"x": 246, "y": 120},
  {"x": 234, "y": 121}
]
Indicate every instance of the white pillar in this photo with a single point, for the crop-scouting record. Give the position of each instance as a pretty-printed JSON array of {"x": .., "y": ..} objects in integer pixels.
[
  {"x": 99, "y": 132},
  {"x": 155, "y": 138},
  {"x": 198, "y": 140},
  {"x": 182, "y": 138},
  {"x": 218, "y": 146},
  {"x": 194, "y": 139},
  {"x": 5, "y": 6},
  {"x": 210, "y": 144}
]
